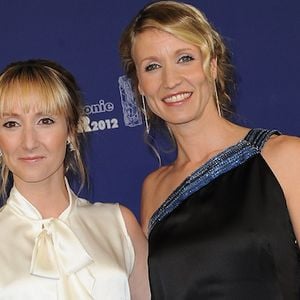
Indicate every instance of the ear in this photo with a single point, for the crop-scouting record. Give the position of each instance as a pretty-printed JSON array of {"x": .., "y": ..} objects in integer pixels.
[
  {"x": 214, "y": 68},
  {"x": 69, "y": 139}
]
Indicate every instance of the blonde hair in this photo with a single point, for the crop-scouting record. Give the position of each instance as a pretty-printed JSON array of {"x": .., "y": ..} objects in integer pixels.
[
  {"x": 59, "y": 93},
  {"x": 187, "y": 23}
]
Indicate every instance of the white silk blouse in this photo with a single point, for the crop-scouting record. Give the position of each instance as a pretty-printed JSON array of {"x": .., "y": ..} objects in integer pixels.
[{"x": 86, "y": 253}]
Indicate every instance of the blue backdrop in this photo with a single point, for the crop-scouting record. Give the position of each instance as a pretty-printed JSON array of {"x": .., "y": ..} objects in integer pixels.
[{"x": 83, "y": 36}]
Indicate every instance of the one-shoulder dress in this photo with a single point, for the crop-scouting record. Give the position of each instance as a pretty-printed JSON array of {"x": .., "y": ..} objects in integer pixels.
[{"x": 225, "y": 232}]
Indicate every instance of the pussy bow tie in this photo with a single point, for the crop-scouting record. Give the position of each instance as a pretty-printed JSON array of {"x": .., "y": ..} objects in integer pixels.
[{"x": 58, "y": 254}]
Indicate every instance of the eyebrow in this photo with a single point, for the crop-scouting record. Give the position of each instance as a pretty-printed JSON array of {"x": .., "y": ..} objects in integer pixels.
[
  {"x": 176, "y": 53},
  {"x": 184, "y": 49},
  {"x": 6, "y": 114},
  {"x": 148, "y": 58}
]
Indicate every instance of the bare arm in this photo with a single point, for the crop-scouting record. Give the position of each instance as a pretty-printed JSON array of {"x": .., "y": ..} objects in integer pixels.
[
  {"x": 138, "y": 280},
  {"x": 154, "y": 191},
  {"x": 146, "y": 210},
  {"x": 283, "y": 155}
]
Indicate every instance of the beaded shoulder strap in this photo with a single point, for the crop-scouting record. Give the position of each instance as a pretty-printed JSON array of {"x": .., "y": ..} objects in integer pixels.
[{"x": 257, "y": 137}]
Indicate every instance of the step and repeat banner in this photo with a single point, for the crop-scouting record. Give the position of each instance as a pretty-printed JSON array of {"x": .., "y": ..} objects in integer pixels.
[{"x": 83, "y": 36}]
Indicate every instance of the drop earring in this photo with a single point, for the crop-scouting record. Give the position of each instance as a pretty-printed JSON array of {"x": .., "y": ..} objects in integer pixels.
[
  {"x": 70, "y": 145},
  {"x": 145, "y": 114},
  {"x": 217, "y": 100}
]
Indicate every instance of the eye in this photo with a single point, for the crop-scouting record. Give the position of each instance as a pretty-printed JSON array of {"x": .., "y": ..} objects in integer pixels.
[
  {"x": 185, "y": 58},
  {"x": 10, "y": 124},
  {"x": 46, "y": 121},
  {"x": 151, "y": 67}
]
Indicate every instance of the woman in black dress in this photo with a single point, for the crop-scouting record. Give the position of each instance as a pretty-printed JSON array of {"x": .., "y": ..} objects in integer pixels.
[{"x": 223, "y": 219}]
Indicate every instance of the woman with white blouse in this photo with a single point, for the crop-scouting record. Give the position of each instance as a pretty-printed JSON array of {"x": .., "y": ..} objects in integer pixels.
[{"x": 56, "y": 245}]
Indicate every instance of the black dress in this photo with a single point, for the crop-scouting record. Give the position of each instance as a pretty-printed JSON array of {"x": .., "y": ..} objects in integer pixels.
[{"x": 225, "y": 232}]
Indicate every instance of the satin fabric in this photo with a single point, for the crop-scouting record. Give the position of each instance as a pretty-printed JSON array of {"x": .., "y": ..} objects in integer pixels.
[
  {"x": 230, "y": 239},
  {"x": 84, "y": 254}
]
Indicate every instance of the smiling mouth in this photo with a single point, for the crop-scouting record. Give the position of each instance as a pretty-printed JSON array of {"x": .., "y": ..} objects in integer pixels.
[{"x": 177, "y": 98}]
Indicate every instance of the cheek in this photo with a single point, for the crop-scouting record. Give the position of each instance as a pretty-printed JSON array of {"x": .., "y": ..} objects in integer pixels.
[
  {"x": 8, "y": 146},
  {"x": 58, "y": 152},
  {"x": 9, "y": 150},
  {"x": 54, "y": 142},
  {"x": 151, "y": 106},
  {"x": 60, "y": 142},
  {"x": 155, "y": 107},
  {"x": 149, "y": 84}
]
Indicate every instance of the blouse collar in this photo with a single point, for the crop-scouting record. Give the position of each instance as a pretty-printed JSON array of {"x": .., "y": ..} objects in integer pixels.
[
  {"x": 24, "y": 207},
  {"x": 57, "y": 252}
]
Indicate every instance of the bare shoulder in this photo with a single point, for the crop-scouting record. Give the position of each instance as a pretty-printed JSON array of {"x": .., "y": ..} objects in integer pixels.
[
  {"x": 131, "y": 222},
  {"x": 284, "y": 141},
  {"x": 149, "y": 201},
  {"x": 156, "y": 174},
  {"x": 138, "y": 279},
  {"x": 282, "y": 153}
]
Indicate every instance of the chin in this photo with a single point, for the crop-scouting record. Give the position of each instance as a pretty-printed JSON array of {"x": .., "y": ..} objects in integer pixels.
[
  {"x": 180, "y": 120},
  {"x": 33, "y": 178}
]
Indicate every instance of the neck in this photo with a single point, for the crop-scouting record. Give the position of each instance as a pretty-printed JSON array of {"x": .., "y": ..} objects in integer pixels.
[
  {"x": 199, "y": 140},
  {"x": 49, "y": 198}
]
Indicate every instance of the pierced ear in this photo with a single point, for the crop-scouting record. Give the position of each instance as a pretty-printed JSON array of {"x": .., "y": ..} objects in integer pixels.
[{"x": 214, "y": 68}]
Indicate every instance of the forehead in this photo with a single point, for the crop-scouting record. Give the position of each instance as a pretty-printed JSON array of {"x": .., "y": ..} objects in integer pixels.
[{"x": 154, "y": 42}]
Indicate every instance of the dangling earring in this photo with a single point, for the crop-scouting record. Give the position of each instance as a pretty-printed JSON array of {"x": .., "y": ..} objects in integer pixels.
[
  {"x": 145, "y": 114},
  {"x": 217, "y": 100},
  {"x": 70, "y": 145}
]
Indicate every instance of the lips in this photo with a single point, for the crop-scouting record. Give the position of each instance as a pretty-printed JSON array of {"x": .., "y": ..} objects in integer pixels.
[
  {"x": 178, "y": 98},
  {"x": 31, "y": 158}
]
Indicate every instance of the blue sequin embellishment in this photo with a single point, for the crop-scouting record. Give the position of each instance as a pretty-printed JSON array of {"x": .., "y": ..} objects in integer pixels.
[{"x": 225, "y": 161}]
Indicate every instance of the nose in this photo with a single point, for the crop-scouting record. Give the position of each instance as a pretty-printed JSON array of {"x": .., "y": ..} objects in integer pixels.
[
  {"x": 29, "y": 138},
  {"x": 171, "y": 77}
]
